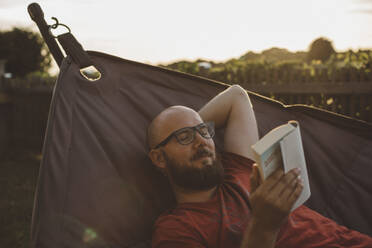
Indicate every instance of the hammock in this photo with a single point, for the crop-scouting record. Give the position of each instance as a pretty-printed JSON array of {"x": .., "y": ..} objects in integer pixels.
[{"x": 97, "y": 188}]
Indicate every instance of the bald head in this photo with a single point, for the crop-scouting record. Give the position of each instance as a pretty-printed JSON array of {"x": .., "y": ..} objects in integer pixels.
[{"x": 169, "y": 120}]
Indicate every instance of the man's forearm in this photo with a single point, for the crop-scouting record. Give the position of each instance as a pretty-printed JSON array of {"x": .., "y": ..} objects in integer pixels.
[
  {"x": 218, "y": 109},
  {"x": 232, "y": 110}
]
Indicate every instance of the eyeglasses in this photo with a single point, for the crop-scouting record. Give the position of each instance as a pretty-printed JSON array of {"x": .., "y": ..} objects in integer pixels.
[{"x": 186, "y": 135}]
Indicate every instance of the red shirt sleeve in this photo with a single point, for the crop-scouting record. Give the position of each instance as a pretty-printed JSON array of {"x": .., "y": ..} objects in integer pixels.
[
  {"x": 172, "y": 232},
  {"x": 238, "y": 169},
  {"x": 309, "y": 229},
  {"x": 236, "y": 162}
]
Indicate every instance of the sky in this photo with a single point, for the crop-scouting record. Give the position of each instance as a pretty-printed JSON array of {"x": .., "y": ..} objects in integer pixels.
[{"x": 164, "y": 31}]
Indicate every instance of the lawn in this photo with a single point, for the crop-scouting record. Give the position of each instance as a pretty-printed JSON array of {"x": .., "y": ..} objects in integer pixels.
[{"x": 18, "y": 178}]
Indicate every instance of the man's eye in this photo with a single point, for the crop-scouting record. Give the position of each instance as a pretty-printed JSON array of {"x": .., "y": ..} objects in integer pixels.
[
  {"x": 183, "y": 135},
  {"x": 204, "y": 130}
]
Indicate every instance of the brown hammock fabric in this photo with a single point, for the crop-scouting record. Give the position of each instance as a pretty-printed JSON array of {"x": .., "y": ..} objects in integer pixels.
[{"x": 97, "y": 188}]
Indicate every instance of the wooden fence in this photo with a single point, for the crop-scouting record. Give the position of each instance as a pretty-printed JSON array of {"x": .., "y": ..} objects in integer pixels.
[
  {"x": 345, "y": 90},
  {"x": 24, "y": 110},
  {"x": 23, "y": 115},
  {"x": 353, "y": 99}
]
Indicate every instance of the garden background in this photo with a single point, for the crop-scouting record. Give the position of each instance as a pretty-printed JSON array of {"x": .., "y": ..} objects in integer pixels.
[{"x": 337, "y": 81}]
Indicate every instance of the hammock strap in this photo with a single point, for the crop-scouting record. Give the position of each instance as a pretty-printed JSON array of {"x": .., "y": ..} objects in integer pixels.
[
  {"x": 37, "y": 15},
  {"x": 73, "y": 48}
]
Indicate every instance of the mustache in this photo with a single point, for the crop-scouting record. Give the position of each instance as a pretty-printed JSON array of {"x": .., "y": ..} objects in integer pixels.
[{"x": 201, "y": 153}]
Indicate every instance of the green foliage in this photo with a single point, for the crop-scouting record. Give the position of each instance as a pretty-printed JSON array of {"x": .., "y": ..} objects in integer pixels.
[
  {"x": 279, "y": 66},
  {"x": 18, "y": 177},
  {"x": 24, "y": 52},
  {"x": 274, "y": 54},
  {"x": 320, "y": 49}
]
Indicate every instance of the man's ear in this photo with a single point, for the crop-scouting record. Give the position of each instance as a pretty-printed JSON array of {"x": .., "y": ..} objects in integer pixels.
[{"x": 157, "y": 158}]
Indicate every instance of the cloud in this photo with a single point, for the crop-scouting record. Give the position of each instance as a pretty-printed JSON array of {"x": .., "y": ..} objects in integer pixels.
[
  {"x": 363, "y": 7},
  {"x": 11, "y": 3},
  {"x": 362, "y": 11},
  {"x": 363, "y": 1}
]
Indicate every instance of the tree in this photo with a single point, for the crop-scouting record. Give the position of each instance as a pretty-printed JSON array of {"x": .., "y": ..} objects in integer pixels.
[
  {"x": 320, "y": 49},
  {"x": 24, "y": 52}
]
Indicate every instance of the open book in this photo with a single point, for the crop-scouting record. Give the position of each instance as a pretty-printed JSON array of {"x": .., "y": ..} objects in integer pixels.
[{"x": 282, "y": 146}]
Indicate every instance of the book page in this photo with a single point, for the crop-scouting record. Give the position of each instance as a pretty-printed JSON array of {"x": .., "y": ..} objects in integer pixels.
[
  {"x": 271, "y": 160},
  {"x": 293, "y": 157}
]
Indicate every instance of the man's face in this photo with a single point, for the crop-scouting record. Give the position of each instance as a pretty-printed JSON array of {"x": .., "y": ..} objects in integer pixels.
[
  {"x": 194, "y": 166},
  {"x": 188, "y": 176}
]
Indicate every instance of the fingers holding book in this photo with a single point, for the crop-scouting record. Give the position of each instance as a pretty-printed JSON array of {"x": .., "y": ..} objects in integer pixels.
[
  {"x": 272, "y": 200},
  {"x": 287, "y": 185}
]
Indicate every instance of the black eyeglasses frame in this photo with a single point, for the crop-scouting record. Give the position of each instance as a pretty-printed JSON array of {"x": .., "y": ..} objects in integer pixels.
[{"x": 210, "y": 125}]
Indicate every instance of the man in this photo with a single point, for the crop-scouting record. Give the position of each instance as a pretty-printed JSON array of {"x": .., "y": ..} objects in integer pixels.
[{"x": 220, "y": 200}]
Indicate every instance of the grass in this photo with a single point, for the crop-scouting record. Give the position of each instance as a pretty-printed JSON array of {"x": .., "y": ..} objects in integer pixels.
[{"x": 18, "y": 178}]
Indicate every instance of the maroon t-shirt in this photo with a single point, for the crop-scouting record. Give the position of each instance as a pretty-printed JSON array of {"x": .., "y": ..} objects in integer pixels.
[{"x": 221, "y": 221}]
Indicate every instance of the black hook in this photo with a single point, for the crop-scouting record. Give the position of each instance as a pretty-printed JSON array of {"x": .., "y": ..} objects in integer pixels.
[{"x": 55, "y": 25}]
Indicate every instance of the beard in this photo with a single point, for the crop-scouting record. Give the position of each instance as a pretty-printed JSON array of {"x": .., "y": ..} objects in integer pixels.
[{"x": 194, "y": 178}]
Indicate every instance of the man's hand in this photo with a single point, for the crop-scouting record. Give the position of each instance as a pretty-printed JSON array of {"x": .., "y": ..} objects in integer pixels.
[{"x": 272, "y": 201}]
